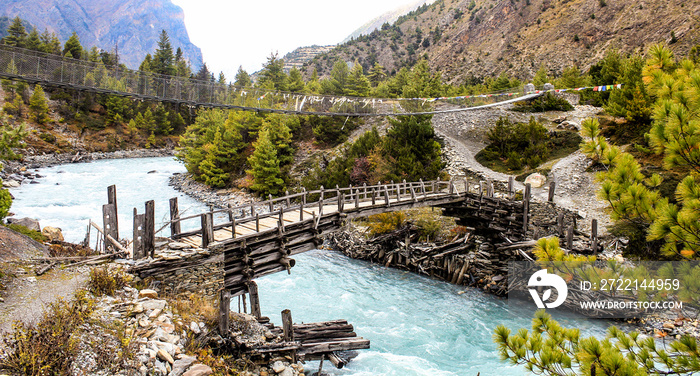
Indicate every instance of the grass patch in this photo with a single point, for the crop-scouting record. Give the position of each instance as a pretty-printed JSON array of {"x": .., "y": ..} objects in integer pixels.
[{"x": 36, "y": 235}]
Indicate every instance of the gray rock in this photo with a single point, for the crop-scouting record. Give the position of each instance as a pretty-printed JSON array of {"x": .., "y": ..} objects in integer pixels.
[
  {"x": 27, "y": 222},
  {"x": 548, "y": 86},
  {"x": 278, "y": 367},
  {"x": 181, "y": 365},
  {"x": 153, "y": 304},
  {"x": 529, "y": 88},
  {"x": 10, "y": 183},
  {"x": 287, "y": 372}
]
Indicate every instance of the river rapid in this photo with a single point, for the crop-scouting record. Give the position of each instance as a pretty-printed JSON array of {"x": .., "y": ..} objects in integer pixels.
[{"x": 417, "y": 326}]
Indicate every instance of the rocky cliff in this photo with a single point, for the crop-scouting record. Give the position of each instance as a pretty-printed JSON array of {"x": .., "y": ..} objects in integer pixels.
[
  {"x": 132, "y": 25},
  {"x": 462, "y": 38}
]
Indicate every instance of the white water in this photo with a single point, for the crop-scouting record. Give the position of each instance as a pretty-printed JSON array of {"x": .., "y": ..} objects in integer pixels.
[{"x": 417, "y": 326}]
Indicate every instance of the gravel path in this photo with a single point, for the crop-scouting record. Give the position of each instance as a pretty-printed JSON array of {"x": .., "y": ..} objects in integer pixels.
[{"x": 465, "y": 132}]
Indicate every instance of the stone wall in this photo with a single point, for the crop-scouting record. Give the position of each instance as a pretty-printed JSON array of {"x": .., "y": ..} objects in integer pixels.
[{"x": 180, "y": 271}]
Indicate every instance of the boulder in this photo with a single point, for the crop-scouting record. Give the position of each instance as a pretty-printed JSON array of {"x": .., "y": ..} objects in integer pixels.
[
  {"x": 548, "y": 86},
  {"x": 148, "y": 293},
  {"x": 181, "y": 365},
  {"x": 529, "y": 88},
  {"x": 10, "y": 183},
  {"x": 29, "y": 223},
  {"x": 52, "y": 233},
  {"x": 198, "y": 370},
  {"x": 164, "y": 356},
  {"x": 278, "y": 367},
  {"x": 536, "y": 180}
]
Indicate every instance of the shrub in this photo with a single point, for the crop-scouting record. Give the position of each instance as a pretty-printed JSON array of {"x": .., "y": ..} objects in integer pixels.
[
  {"x": 105, "y": 281},
  {"x": 547, "y": 102},
  {"x": 386, "y": 222},
  {"x": 47, "y": 348},
  {"x": 36, "y": 235}
]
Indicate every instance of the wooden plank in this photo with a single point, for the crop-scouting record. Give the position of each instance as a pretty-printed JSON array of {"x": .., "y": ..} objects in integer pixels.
[
  {"x": 224, "y": 308},
  {"x": 109, "y": 221},
  {"x": 174, "y": 216},
  {"x": 112, "y": 200},
  {"x": 139, "y": 251},
  {"x": 149, "y": 236}
]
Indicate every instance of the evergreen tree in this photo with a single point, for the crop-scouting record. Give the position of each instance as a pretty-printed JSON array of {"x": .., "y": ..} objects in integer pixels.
[
  {"x": 281, "y": 136},
  {"x": 631, "y": 101},
  {"x": 182, "y": 66},
  {"x": 33, "y": 41},
  {"x": 358, "y": 84},
  {"x": 553, "y": 350},
  {"x": 376, "y": 74},
  {"x": 296, "y": 82},
  {"x": 541, "y": 77},
  {"x": 411, "y": 149},
  {"x": 72, "y": 48},
  {"x": 162, "y": 120},
  {"x": 39, "y": 106},
  {"x": 265, "y": 167},
  {"x": 50, "y": 43},
  {"x": 272, "y": 75},
  {"x": 211, "y": 172},
  {"x": 17, "y": 34},
  {"x": 222, "y": 78},
  {"x": 337, "y": 84},
  {"x": 11, "y": 137},
  {"x": 163, "y": 58},
  {"x": 146, "y": 63},
  {"x": 242, "y": 78}
]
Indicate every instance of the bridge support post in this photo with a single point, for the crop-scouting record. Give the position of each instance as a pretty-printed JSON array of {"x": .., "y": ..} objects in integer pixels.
[
  {"x": 288, "y": 330},
  {"x": 109, "y": 220},
  {"x": 149, "y": 236},
  {"x": 254, "y": 299},
  {"x": 526, "y": 207},
  {"x": 224, "y": 308},
  {"x": 138, "y": 236},
  {"x": 207, "y": 229},
  {"x": 560, "y": 224},
  {"x": 594, "y": 236},
  {"x": 552, "y": 186},
  {"x": 112, "y": 200},
  {"x": 174, "y": 217},
  {"x": 511, "y": 187},
  {"x": 570, "y": 237}
]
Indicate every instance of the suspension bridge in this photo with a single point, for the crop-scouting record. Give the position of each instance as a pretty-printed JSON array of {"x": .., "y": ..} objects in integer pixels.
[{"x": 57, "y": 71}]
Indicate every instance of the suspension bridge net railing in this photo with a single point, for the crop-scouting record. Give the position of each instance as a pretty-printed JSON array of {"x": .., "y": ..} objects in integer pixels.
[{"x": 54, "y": 70}]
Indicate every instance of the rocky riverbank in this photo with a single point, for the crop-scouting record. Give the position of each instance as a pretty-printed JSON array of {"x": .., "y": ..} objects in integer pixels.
[
  {"x": 23, "y": 171},
  {"x": 219, "y": 198}
]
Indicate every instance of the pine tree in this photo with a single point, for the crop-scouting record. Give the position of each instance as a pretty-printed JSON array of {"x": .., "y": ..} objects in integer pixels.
[
  {"x": 553, "y": 350},
  {"x": 265, "y": 167},
  {"x": 296, "y": 82},
  {"x": 163, "y": 58},
  {"x": 211, "y": 171},
  {"x": 376, "y": 74},
  {"x": 162, "y": 120},
  {"x": 72, "y": 48},
  {"x": 412, "y": 149},
  {"x": 358, "y": 84},
  {"x": 39, "y": 106},
  {"x": 33, "y": 40},
  {"x": 242, "y": 78},
  {"x": 272, "y": 75},
  {"x": 17, "y": 34},
  {"x": 11, "y": 137},
  {"x": 337, "y": 84},
  {"x": 541, "y": 77},
  {"x": 50, "y": 43}
]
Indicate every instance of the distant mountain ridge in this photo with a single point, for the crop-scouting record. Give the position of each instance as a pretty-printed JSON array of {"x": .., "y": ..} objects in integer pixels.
[
  {"x": 388, "y": 17},
  {"x": 132, "y": 26}
]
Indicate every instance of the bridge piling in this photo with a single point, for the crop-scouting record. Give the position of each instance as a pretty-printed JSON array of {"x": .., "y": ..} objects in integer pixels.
[
  {"x": 138, "y": 236},
  {"x": 552, "y": 186},
  {"x": 526, "y": 207},
  {"x": 149, "y": 238},
  {"x": 174, "y": 216},
  {"x": 511, "y": 187}
]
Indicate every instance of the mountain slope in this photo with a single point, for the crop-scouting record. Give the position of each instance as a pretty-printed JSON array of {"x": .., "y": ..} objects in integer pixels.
[
  {"x": 133, "y": 25},
  {"x": 465, "y": 38},
  {"x": 388, "y": 17}
]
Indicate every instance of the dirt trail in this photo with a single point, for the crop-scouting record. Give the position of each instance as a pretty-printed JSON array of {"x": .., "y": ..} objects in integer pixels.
[
  {"x": 28, "y": 296},
  {"x": 465, "y": 135}
]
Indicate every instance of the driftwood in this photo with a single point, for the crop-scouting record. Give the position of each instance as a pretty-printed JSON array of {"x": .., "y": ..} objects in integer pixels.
[{"x": 114, "y": 242}]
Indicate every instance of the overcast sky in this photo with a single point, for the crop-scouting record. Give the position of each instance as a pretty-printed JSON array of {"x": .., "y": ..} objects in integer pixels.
[{"x": 235, "y": 32}]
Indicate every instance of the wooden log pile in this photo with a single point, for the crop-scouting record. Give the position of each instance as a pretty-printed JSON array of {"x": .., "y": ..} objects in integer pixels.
[
  {"x": 470, "y": 260},
  {"x": 489, "y": 215}
]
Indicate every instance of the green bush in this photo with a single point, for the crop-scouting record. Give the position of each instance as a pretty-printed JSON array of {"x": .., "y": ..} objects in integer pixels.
[
  {"x": 5, "y": 202},
  {"x": 36, "y": 235},
  {"x": 546, "y": 102}
]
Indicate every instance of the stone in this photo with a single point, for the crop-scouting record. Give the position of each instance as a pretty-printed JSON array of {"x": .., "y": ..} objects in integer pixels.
[
  {"x": 536, "y": 180},
  {"x": 31, "y": 279},
  {"x": 287, "y": 372},
  {"x": 138, "y": 308},
  {"x": 10, "y": 183},
  {"x": 160, "y": 368},
  {"x": 195, "y": 328},
  {"x": 529, "y": 88},
  {"x": 148, "y": 293},
  {"x": 198, "y": 370},
  {"x": 163, "y": 355},
  {"x": 29, "y": 223},
  {"x": 153, "y": 304},
  {"x": 181, "y": 365},
  {"x": 52, "y": 233},
  {"x": 548, "y": 86},
  {"x": 278, "y": 366},
  {"x": 178, "y": 245}
]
